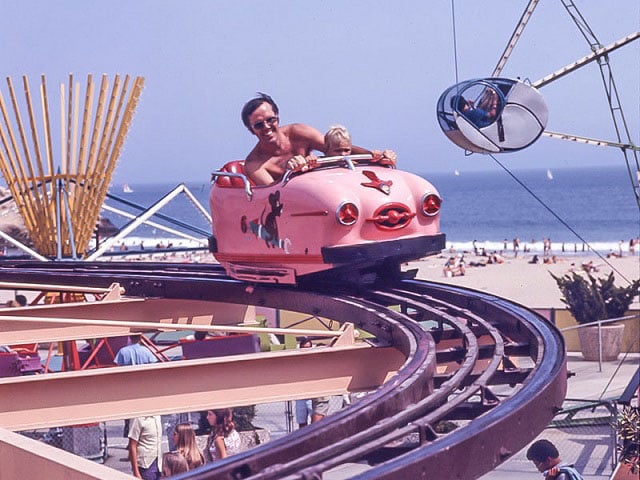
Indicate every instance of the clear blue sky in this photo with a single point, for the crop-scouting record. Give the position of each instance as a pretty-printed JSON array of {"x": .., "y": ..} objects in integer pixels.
[{"x": 377, "y": 67}]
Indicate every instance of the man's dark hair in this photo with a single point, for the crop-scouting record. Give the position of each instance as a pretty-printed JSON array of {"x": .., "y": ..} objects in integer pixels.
[
  {"x": 458, "y": 103},
  {"x": 541, "y": 450},
  {"x": 254, "y": 103},
  {"x": 22, "y": 300},
  {"x": 135, "y": 338}
]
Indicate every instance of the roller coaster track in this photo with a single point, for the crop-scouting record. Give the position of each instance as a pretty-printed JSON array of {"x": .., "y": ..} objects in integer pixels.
[{"x": 492, "y": 370}]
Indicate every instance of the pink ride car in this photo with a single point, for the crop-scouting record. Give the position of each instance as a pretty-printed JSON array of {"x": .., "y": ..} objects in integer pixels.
[{"x": 341, "y": 220}]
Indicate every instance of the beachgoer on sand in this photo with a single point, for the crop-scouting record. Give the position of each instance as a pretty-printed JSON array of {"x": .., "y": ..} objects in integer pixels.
[{"x": 454, "y": 266}]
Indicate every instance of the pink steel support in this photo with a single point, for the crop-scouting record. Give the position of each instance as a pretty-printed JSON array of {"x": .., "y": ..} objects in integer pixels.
[
  {"x": 25, "y": 458},
  {"x": 70, "y": 398}
]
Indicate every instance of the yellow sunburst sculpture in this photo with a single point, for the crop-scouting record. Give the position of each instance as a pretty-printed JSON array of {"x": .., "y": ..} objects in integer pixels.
[{"x": 60, "y": 198}]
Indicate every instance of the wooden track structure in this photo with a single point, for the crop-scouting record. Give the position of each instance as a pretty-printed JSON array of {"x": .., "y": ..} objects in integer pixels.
[{"x": 60, "y": 201}]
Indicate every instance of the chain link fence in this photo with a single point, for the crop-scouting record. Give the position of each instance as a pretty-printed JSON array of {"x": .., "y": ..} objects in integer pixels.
[{"x": 584, "y": 434}]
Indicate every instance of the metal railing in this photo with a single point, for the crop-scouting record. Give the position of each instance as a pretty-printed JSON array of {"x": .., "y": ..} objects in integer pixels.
[{"x": 599, "y": 324}]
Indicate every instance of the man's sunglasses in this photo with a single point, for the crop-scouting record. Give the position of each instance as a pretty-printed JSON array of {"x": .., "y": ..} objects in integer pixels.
[{"x": 271, "y": 121}]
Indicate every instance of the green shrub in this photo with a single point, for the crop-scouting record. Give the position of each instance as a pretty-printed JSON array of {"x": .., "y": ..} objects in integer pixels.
[
  {"x": 243, "y": 418},
  {"x": 627, "y": 426},
  {"x": 591, "y": 299}
]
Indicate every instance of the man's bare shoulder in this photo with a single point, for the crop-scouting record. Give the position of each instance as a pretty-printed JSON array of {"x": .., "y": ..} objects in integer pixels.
[
  {"x": 300, "y": 133},
  {"x": 300, "y": 129}
]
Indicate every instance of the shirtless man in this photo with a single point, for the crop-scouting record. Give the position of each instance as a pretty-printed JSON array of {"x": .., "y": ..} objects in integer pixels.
[{"x": 287, "y": 147}]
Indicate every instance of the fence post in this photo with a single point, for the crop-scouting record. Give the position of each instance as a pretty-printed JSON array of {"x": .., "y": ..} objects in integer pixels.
[
  {"x": 614, "y": 436},
  {"x": 599, "y": 346}
]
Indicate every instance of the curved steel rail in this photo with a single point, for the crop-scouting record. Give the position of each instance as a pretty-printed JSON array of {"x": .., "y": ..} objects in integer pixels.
[{"x": 493, "y": 367}]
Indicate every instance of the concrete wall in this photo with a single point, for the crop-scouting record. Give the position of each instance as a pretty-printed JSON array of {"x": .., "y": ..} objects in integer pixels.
[{"x": 563, "y": 319}]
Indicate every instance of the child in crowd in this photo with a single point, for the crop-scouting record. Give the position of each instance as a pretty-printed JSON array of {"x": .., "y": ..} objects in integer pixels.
[
  {"x": 173, "y": 463},
  {"x": 184, "y": 438}
]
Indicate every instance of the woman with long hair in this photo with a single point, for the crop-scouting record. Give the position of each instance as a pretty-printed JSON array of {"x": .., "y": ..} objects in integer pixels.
[
  {"x": 224, "y": 439},
  {"x": 185, "y": 441}
]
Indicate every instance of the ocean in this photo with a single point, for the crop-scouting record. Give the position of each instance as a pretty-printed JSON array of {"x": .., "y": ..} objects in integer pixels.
[{"x": 593, "y": 205}]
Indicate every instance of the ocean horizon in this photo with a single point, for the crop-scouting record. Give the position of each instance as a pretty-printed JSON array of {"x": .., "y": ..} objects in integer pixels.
[{"x": 576, "y": 208}]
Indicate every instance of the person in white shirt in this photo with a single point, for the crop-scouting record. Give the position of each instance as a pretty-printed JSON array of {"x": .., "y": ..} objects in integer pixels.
[{"x": 145, "y": 447}]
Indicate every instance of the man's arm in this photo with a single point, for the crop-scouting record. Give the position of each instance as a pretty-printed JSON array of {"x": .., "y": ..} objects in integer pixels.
[
  {"x": 118, "y": 359},
  {"x": 133, "y": 456},
  {"x": 356, "y": 150},
  {"x": 312, "y": 139},
  {"x": 256, "y": 171},
  {"x": 386, "y": 157},
  {"x": 220, "y": 446},
  {"x": 305, "y": 139}
]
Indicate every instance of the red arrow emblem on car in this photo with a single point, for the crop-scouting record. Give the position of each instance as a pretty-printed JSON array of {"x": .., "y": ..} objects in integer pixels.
[{"x": 383, "y": 185}]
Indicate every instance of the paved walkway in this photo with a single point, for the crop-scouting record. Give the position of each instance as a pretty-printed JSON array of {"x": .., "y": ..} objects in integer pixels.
[{"x": 590, "y": 447}]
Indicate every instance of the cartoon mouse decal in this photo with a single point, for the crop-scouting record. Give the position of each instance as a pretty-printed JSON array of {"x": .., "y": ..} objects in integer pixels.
[
  {"x": 270, "y": 223},
  {"x": 267, "y": 227}
]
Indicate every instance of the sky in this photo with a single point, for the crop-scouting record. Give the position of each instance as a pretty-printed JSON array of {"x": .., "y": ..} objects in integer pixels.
[{"x": 376, "y": 66}]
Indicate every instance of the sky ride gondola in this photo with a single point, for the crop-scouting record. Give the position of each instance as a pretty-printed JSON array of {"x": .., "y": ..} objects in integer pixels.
[
  {"x": 492, "y": 115},
  {"x": 477, "y": 135}
]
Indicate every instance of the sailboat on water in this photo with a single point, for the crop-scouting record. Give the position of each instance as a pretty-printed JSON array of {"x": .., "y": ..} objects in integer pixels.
[
  {"x": 549, "y": 174},
  {"x": 126, "y": 188}
]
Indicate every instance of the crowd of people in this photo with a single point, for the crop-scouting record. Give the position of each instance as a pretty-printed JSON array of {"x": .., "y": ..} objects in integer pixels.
[
  {"x": 150, "y": 463},
  {"x": 455, "y": 263},
  {"x": 145, "y": 433},
  {"x": 145, "y": 445}
]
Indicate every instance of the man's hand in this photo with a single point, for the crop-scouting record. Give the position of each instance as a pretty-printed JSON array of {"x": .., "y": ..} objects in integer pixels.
[
  {"x": 300, "y": 163},
  {"x": 552, "y": 473},
  {"x": 387, "y": 157}
]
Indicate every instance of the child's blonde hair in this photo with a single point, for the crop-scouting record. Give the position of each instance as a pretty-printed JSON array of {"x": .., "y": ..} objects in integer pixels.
[{"x": 335, "y": 134}]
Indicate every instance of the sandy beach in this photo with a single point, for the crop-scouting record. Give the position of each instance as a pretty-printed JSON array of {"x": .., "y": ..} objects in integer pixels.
[
  {"x": 515, "y": 279},
  {"x": 520, "y": 281}
]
